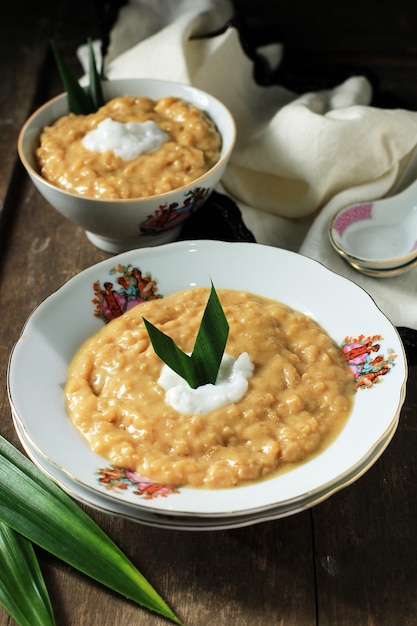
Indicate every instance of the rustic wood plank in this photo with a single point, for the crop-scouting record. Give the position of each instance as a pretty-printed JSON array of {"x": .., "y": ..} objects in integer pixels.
[
  {"x": 28, "y": 76},
  {"x": 253, "y": 576},
  {"x": 365, "y": 537}
]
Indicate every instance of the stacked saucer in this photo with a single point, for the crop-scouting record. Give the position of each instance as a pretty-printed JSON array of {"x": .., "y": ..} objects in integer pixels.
[{"x": 377, "y": 238}]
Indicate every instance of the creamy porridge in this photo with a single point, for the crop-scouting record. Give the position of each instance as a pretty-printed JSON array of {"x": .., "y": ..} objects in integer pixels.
[
  {"x": 191, "y": 146},
  {"x": 298, "y": 397}
]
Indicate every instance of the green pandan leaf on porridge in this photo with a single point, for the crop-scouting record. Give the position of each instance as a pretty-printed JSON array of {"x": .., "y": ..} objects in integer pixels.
[
  {"x": 94, "y": 88},
  {"x": 202, "y": 366},
  {"x": 79, "y": 101}
]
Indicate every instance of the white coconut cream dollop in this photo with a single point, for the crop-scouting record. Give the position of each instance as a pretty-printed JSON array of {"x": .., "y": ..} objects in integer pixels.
[
  {"x": 231, "y": 385},
  {"x": 127, "y": 140}
]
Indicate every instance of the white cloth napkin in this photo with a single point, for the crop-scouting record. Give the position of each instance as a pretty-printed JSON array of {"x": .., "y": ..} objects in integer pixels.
[{"x": 298, "y": 158}]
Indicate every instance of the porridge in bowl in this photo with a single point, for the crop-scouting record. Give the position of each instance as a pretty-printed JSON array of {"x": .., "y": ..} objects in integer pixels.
[
  {"x": 178, "y": 143},
  {"x": 298, "y": 398}
]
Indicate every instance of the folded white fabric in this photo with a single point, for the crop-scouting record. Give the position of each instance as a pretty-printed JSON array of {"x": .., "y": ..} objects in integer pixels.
[{"x": 297, "y": 158}]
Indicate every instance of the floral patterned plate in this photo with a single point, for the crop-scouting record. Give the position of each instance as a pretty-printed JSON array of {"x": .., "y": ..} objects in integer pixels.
[
  {"x": 372, "y": 347},
  {"x": 168, "y": 521}
]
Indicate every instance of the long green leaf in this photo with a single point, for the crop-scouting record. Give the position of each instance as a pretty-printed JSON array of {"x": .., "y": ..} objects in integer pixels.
[
  {"x": 202, "y": 366},
  {"x": 94, "y": 87},
  {"x": 211, "y": 339},
  {"x": 22, "y": 588},
  {"x": 172, "y": 355},
  {"x": 34, "y": 506},
  {"x": 79, "y": 100}
]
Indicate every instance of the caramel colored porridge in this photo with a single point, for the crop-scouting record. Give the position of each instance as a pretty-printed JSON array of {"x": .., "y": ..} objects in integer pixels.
[
  {"x": 191, "y": 148},
  {"x": 298, "y": 398}
]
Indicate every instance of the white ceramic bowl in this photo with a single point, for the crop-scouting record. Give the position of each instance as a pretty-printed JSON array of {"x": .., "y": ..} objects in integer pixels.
[
  {"x": 117, "y": 225},
  {"x": 40, "y": 359},
  {"x": 377, "y": 236}
]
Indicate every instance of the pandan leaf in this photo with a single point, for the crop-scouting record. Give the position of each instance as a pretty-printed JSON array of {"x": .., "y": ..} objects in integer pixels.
[
  {"x": 94, "y": 87},
  {"x": 22, "y": 588},
  {"x": 34, "y": 506},
  {"x": 79, "y": 101},
  {"x": 202, "y": 366}
]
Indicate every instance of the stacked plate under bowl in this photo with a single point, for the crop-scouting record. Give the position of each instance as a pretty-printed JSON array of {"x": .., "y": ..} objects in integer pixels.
[{"x": 39, "y": 363}]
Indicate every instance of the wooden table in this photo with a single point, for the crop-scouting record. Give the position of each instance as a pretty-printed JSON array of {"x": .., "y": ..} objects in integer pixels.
[{"x": 349, "y": 561}]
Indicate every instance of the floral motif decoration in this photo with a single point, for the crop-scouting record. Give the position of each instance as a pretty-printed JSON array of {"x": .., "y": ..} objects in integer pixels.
[
  {"x": 366, "y": 361},
  {"x": 168, "y": 216},
  {"x": 127, "y": 286},
  {"x": 353, "y": 214},
  {"x": 119, "y": 479}
]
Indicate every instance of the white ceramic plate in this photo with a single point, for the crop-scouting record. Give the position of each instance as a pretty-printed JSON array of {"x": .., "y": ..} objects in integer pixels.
[
  {"x": 181, "y": 522},
  {"x": 138, "y": 514},
  {"x": 39, "y": 362}
]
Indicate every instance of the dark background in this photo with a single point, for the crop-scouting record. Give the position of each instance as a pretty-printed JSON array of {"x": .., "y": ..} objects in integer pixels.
[{"x": 324, "y": 41}]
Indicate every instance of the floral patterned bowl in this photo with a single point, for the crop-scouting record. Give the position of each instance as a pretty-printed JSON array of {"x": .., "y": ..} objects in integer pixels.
[
  {"x": 57, "y": 328},
  {"x": 119, "y": 225}
]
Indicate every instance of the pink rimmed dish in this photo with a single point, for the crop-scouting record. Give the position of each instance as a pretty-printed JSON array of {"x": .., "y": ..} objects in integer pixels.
[{"x": 378, "y": 236}]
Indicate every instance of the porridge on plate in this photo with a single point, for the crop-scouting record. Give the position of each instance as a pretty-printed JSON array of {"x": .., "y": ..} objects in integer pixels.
[{"x": 298, "y": 397}]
